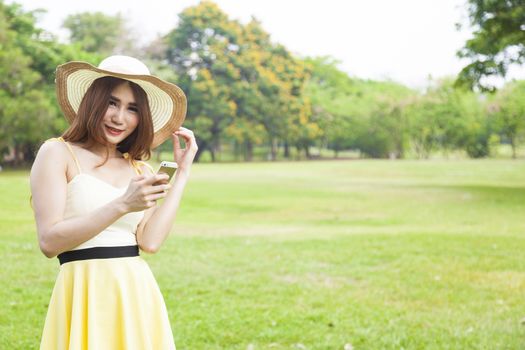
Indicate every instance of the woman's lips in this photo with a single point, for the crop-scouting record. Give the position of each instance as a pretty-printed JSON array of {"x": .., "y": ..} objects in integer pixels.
[{"x": 114, "y": 131}]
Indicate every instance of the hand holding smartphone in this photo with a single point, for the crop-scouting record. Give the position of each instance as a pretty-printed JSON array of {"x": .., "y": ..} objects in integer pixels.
[{"x": 168, "y": 168}]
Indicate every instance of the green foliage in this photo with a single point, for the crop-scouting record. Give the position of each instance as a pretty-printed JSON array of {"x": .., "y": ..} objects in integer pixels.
[
  {"x": 200, "y": 49},
  {"x": 98, "y": 33},
  {"x": 329, "y": 90},
  {"x": 476, "y": 134},
  {"x": 508, "y": 112},
  {"x": 28, "y": 58},
  {"x": 25, "y": 109},
  {"x": 448, "y": 118},
  {"x": 498, "y": 41},
  {"x": 251, "y": 95},
  {"x": 358, "y": 114},
  {"x": 249, "y": 88}
]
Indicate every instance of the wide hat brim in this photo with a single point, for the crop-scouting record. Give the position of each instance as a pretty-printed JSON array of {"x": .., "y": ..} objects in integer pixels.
[{"x": 167, "y": 101}]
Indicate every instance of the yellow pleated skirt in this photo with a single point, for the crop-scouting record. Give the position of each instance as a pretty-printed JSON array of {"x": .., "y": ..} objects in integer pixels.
[{"x": 107, "y": 304}]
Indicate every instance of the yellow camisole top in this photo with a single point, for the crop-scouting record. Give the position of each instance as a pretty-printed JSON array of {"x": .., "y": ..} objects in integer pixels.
[{"x": 86, "y": 193}]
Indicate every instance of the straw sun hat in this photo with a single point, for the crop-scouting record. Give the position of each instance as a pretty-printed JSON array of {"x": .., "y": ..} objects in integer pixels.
[{"x": 167, "y": 101}]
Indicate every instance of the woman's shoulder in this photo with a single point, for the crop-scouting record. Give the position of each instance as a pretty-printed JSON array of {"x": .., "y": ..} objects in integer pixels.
[
  {"x": 53, "y": 150},
  {"x": 54, "y": 145},
  {"x": 51, "y": 157}
]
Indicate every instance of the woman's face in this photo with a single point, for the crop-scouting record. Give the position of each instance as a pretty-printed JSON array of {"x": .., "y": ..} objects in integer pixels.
[{"x": 121, "y": 117}]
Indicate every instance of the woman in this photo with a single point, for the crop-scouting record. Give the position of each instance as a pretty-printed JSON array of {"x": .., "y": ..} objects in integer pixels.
[{"x": 95, "y": 204}]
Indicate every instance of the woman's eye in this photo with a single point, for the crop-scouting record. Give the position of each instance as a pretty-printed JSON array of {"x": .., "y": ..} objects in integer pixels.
[
  {"x": 133, "y": 109},
  {"x": 112, "y": 103}
]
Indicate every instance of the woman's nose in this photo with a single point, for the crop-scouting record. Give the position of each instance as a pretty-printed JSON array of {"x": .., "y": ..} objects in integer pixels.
[{"x": 118, "y": 115}]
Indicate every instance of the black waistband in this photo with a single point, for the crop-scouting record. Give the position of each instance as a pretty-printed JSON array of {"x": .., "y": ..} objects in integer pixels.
[{"x": 98, "y": 253}]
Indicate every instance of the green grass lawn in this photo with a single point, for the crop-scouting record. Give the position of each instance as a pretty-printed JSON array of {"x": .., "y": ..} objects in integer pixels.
[{"x": 315, "y": 255}]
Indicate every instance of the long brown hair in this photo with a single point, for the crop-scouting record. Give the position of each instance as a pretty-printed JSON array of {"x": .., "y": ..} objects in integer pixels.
[{"x": 86, "y": 127}]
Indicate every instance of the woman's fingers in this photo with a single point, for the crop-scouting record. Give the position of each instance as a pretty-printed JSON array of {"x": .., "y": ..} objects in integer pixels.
[
  {"x": 150, "y": 180},
  {"x": 186, "y": 134},
  {"x": 184, "y": 156},
  {"x": 189, "y": 139},
  {"x": 176, "y": 143},
  {"x": 155, "y": 196},
  {"x": 157, "y": 189}
]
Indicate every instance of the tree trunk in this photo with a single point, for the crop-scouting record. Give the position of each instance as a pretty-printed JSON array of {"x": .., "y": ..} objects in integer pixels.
[
  {"x": 236, "y": 150},
  {"x": 198, "y": 154},
  {"x": 307, "y": 151},
  {"x": 298, "y": 152},
  {"x": 274, "y": 143},
  {"x": 513, "y": 146},
  {"x": 203, "y": 145},
  {"x": 19, "y": 155},
  {"x": 216, "y": 150},
  {"x": 400, "y": 150},
  {"x": 248, "y": 151},
  {"x": 419, "y": 150},
  {"x": 29, "y": 154},
  {"x": 286, "y": 150}
]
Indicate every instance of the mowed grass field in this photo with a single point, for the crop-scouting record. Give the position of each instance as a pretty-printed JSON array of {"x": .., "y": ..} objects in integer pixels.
[{"x": 358, "y": 254}]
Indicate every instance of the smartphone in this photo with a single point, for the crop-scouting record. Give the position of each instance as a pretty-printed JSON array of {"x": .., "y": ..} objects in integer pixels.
[{"x": 168, "y": 168}]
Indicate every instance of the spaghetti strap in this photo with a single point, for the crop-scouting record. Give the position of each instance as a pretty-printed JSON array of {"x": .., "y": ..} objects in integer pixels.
[
  {"x": 137, "y": 164},
  {"x": 147, "y": 166},
  {"x": 70, "y": 150},
  {"x": 73, "y": 154}
]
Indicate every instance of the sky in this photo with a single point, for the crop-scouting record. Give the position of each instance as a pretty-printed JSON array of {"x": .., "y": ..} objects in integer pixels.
[{"x": 407, "y": 41}]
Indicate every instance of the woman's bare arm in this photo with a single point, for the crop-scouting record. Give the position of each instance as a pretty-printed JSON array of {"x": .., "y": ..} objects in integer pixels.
[{"x": 158, "y": 221}]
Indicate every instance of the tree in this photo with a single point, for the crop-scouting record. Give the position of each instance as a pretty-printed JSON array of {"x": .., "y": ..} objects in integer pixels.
[
  {"x": 101, "y": 34},
  {"x": 26, "y": 113},
  {"x": 29, "y": 113},
  {"x": 508, "y": 111},
  {"x": 279, "y": 81},
  {"x": 239, "y": 83},
  {"x": 448, "y": 118},
  {"x": 357, "y": 114},
  {"x": 200, "y": 50},
  {"x": 498, "y": 41}
]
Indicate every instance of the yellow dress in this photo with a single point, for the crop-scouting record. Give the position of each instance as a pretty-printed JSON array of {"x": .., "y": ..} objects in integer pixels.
[{"x": 102, "y": 302}]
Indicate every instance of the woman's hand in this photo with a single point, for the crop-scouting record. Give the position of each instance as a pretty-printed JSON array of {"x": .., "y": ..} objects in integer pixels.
[
  {"x": 184, "y": 156},
  {"x": 143, "y": 194}
]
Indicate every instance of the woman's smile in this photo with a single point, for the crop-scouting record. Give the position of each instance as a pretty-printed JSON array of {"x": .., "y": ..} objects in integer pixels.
[{"x": 113, "y": 131}]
